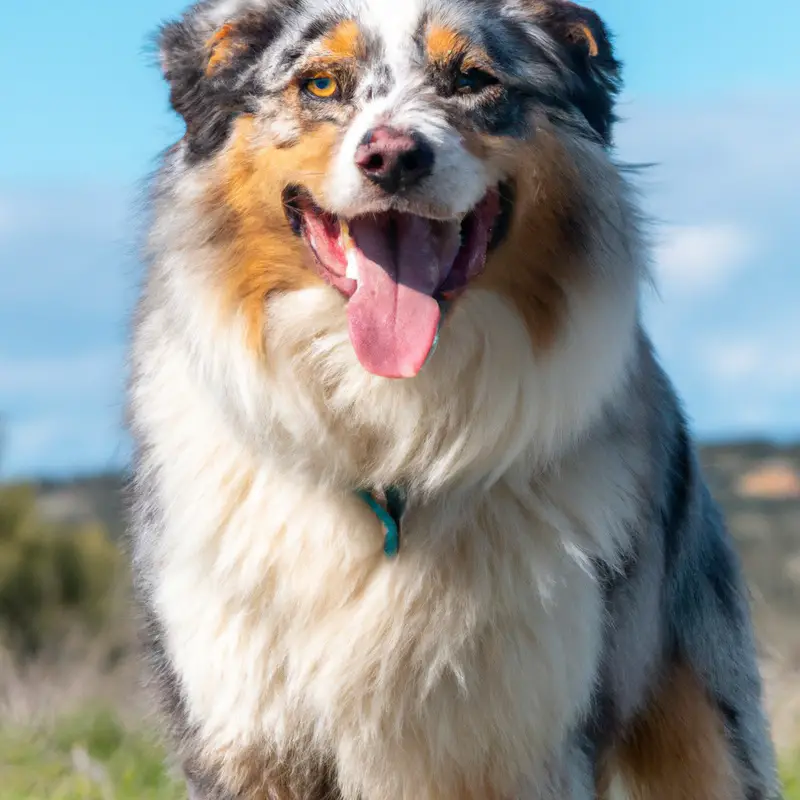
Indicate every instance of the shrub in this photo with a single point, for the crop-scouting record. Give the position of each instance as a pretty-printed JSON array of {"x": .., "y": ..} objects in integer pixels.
[{"x": 52, "y": 577}]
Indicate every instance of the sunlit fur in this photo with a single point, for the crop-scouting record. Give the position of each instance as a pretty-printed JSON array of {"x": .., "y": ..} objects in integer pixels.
[{"x": 539, "y": 446}]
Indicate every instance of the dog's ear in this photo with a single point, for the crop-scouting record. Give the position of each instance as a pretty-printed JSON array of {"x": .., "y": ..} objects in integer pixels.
[
  {"x": 589, "y": 51},
  {"x": 204, "y": 64},
  {"x": 190, "y": 56},
  {"x": 580, "y": 30}
]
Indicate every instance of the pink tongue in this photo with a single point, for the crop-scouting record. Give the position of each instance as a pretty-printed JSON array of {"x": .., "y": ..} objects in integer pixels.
[{"x": 393, "y": 316}]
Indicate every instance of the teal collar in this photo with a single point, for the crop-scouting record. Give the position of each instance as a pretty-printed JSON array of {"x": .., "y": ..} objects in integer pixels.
[{"x": 389, "y": 507}]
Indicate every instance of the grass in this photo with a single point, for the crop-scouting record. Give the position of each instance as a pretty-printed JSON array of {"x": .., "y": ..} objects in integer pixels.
[
  {"x": 791, "y": 780},
  {"x": 93, "y": 756},
  {"x": 89, "y": 756}
]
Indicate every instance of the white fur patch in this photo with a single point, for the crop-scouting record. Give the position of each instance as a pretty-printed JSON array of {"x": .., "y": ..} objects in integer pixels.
[
  {"x": 469, "y": 656},
  {"x": 459, "y": 180}
]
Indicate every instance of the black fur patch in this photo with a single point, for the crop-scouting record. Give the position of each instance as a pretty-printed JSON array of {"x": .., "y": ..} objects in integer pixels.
[
  {"x": 603, "y": 723},
  {"x": 578, "y": 77},
  {"x": 733, "y": 730},
  {"x": 721, "y": 569},
  {"x": 315, "y": 29},
  {"x": 679, "y": 479},
  {"x": 597, "y": 75},
  {"x": 209, "y": 103}
]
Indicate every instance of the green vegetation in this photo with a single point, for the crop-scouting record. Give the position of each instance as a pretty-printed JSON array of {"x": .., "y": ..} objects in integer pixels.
[
  {"x": 53, "y": 578},
  {"x": 90, "y": 756},
  {"x": 791, "y": 778},
  {"x": 64, "y": 637}
]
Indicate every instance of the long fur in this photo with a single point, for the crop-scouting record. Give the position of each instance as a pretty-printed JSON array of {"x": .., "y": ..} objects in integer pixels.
[{"x": 566, "y": 612}]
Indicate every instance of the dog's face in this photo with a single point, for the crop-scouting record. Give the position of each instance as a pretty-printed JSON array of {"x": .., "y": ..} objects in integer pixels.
[{"x": 399, "y": 151}]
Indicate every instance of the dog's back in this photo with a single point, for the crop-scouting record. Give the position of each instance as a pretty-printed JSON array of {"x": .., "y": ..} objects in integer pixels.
[{"x": 417, "y": 514}]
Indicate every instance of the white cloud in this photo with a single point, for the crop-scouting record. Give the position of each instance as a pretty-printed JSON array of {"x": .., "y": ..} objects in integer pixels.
[
  {"x": 723, "y": 200},
  {"x": 764, "y": 363},
  {"x": 699, "y": 258},
  {"x": 85, "y": 373},
  {"x": 720, "y": 149},
  {"x": 732, "y": 362}
]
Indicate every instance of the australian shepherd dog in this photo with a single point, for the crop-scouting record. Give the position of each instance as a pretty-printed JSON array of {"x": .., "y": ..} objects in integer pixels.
[{"x": 416, "y": 512}]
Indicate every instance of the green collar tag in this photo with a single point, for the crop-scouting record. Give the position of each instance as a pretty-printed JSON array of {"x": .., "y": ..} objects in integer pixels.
[{"x": 389, "y": 507}]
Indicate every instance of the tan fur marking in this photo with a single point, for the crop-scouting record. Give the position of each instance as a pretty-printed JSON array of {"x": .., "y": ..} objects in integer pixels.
[
  {"x": 536, "y": 266},
  {"x": 444, "y": 44},
  {"x": 221, "y": 48},
  {"x": 676, "y": 750},
  {"x": 586, "y": 31},
  {"x": 260, "y": 252},
  {"x": 552, "y": 13},
  {"x": 255, "y": 775},
  {"x": 344, "y": 42}
]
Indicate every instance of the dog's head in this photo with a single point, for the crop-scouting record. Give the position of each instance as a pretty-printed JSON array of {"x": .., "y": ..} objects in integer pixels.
[{"x": 397, "y": 150}]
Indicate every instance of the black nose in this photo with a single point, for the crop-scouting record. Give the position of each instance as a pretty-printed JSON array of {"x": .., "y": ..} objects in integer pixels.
[{"x": 394, "y": 160}]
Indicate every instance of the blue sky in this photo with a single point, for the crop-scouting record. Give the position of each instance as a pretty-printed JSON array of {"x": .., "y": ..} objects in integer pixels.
[{"x": 713, "y": 96}]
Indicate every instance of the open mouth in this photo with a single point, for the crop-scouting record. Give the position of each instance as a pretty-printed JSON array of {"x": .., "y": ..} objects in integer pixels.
[{"x": 397, "y": 270}]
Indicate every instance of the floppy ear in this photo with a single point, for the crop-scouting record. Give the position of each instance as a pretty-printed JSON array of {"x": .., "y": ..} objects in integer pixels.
[
  {"x": 587, "y": 44},
  {"x": 187, "y": 51},
  {"x": 205, "y": 68},
  {"x": 581, "y": 30}
]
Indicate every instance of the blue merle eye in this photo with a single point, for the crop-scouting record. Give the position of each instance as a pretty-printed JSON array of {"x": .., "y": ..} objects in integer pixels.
[
  {"x": 473, "y": 81},
  {"x": 322, "y": 85}
]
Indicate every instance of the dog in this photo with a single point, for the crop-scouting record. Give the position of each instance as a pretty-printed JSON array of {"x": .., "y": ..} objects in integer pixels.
[{"x": 417, "y": 514}]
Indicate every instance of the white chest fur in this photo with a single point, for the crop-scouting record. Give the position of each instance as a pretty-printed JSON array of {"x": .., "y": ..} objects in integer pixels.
[
  {"x": 469, "y": 653},
  {"x": 462, "y": 662}
]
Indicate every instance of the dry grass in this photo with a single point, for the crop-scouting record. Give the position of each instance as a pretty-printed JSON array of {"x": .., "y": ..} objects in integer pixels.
[
  {"x": 84, "y": 673},
  {"x": 782, "y": 686},
  {"x": 77, "y": 727}
]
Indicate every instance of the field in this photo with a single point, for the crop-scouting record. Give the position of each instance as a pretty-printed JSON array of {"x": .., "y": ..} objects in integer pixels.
[
  {"x": 94, "y": 756},
  {"x": 89, "y": 756},
  {"x": 74, "y": 722}
]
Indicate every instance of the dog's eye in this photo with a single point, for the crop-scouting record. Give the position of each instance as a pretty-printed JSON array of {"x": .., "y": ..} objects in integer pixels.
[
  {"x": 472, "y": 81},
  {"x": 322, "y": 85}
]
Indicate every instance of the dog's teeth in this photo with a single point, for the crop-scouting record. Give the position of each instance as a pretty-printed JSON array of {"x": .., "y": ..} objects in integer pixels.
[
  {"x": 352, "y": 265},
  {"x": 349, "y": 248}
]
